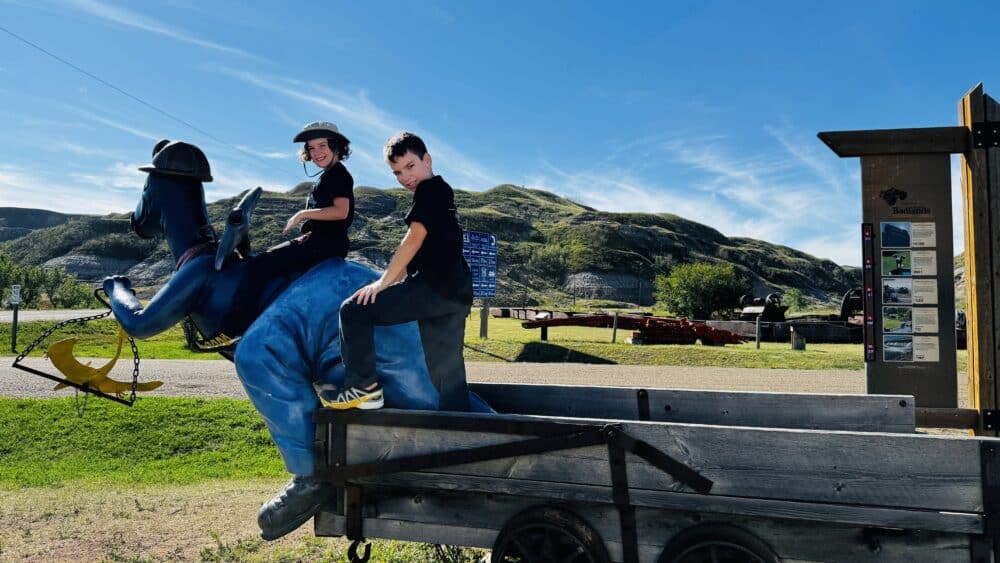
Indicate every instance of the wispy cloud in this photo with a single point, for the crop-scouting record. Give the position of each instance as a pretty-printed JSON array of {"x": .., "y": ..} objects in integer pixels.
[
  {"x": 115, "y": 124},
  {"x": 816, "y": 158},
  {"x": 73, "y": 148},
  {"x": 20, "y": 187},
  {"x": 128, "y": 18},
  {"x": 269, "y": 155},
  {"x": 31, "y": 122},
  {"x": 229, "y": 181},
  {"x": 118, "y": 176},
  {"x": 361, "y": 119}
]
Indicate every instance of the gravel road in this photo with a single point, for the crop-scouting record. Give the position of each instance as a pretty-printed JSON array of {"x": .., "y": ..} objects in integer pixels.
[
  {"x": 26, "y": 315},
  {"x": 217, "y": 378}
]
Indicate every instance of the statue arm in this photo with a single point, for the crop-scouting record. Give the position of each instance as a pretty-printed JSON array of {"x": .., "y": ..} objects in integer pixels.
[{"x": 164, "y": 310}]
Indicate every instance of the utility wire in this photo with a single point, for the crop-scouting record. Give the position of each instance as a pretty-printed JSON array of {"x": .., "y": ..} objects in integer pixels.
[{"x": 130, "y": 96}]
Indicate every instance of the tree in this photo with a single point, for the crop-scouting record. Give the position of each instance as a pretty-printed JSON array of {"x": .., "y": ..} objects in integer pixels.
[
  {"x": 62, "y": 289},
  {"x": 701, "y": 289},
  {"x": 793, "y": 298},
  {"x": 73, "y": 295},
  {"x": 51, "y": 280}
]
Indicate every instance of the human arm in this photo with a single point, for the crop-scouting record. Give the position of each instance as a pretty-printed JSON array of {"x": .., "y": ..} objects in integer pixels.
[
  {"x": 396, "y": 270},
  {"x": 337, "y": 211}
]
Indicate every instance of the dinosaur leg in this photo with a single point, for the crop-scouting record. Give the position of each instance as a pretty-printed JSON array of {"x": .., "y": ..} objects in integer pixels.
[{"x": 277, "y": 378}]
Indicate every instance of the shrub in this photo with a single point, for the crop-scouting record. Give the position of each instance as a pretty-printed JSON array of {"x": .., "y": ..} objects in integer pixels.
[{"x": 701, "y": 289}]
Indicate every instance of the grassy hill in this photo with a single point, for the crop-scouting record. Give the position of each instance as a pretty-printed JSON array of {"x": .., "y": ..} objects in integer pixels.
[
  {"x": 546, "y": 242},
  {"x": 16, "y": 222}
]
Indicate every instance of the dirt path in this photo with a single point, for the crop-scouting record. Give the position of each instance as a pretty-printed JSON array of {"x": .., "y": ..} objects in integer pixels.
[{"x": 167, "y": 523}]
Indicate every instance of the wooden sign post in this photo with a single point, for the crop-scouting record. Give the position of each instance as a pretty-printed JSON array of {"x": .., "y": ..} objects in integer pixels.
[
  {"x": 980, "y": 114},
  {"x": 907, "y": 231},
  {"x": 907, "y": 255}
]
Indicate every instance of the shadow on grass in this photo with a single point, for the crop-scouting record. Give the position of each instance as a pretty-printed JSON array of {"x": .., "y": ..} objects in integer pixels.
[
  {"x": 490, "y": 354},
  {"x": 544, "y": 352}
]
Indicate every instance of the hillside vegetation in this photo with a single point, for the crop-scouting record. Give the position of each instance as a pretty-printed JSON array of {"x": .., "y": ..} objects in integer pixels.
[
  {"x": 16, "y": 222},
  {"x": 549, "y": 247}
]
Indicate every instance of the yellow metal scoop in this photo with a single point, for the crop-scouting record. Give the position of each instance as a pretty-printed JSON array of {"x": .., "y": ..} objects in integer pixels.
[{"x": 61, "y": 355}]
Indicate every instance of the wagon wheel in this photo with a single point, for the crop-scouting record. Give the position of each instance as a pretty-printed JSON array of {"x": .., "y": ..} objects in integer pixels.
[
  {"x": 717, "y": 543},
  {"x": 545, "y": 534}
]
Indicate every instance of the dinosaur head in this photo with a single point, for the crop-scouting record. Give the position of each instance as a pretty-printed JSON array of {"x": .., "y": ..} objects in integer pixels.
[{"x": 173, "y": 198}]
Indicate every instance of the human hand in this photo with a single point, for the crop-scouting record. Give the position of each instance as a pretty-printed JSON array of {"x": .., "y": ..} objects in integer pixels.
[
  {"x": 367, "y": 294},
  {"x": 293, "y": 222}
]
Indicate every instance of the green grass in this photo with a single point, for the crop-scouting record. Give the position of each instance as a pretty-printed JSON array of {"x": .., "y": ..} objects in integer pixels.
[
  {"x": 97, "y": 339},
  {"x": 508, "y": 342},
  {"x": 158, "y": 441}
]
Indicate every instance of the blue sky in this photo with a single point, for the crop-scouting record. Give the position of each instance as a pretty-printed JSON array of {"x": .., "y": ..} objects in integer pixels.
[{"x": 705, "y": 109}]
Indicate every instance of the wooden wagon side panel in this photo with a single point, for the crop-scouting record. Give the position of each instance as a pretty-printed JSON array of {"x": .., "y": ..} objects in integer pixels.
[
  {"x": 904, "y": 471},
  {"x": 862, "y": 413}
]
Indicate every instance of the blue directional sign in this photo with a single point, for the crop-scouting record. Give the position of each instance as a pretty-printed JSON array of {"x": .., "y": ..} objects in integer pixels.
[{"x": 480, "y": 250}]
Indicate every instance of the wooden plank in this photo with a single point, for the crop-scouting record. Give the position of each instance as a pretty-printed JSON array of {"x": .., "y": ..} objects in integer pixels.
[
  {"x": 900, "y": 470},
  {"x": 992, "y": 111},
  {"x": 978, "y": 262},
  {"x": 947, "y": 418},
  {"x": 897, "y": 141},
  {"x": 862, "y": 413},
  {"x": 476, "y": 520},
  {"x": 488, "y": 487}
]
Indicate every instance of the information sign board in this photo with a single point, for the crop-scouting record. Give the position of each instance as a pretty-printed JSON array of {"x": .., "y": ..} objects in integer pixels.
[{"x": 480, "y": 250}]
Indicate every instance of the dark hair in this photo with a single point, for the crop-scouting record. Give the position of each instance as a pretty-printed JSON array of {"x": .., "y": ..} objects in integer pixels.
[
  {"x": 338, "y": 145},
  {"x": 400, "y": 143}
]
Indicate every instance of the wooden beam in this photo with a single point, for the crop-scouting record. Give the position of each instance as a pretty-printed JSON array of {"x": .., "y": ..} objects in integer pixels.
[
  {"x": 979, "y": 250},
  {"x": 860, "y": 413},
  {"x": 897, "y": 141},
  {"x": 966, "y": 523},
  {"x": 947, "y": 418},
  {"x": 992, "y": 110}
]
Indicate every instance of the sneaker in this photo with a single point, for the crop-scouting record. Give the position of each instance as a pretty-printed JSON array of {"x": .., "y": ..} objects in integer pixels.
[{"x": 353, "y": 398}]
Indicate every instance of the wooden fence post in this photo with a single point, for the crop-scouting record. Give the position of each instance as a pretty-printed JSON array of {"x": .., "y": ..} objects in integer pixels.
[{"x": 980, "y": 176}]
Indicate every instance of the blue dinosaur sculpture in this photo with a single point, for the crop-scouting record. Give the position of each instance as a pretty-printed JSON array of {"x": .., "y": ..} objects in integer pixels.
[{"x": 293, "y": 345}]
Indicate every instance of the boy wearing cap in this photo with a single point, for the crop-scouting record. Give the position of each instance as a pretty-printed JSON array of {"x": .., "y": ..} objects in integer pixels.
[
  {"x": 427, "y": 280},
  {"x": 324, "y": 222}
]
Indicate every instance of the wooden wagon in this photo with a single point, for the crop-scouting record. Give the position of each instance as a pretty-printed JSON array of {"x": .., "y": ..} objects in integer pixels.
[{"x": 594, "y": 474}]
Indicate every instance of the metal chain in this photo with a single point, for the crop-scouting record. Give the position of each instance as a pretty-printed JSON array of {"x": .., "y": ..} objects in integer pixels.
[
  {"x": 56, "y": 327},
  {"x": 81, "y": 320},
  {"x": 135, "y": 369}
]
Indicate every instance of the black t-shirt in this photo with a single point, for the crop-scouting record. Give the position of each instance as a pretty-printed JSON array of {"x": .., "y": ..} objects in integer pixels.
[
  {"x": 335, "y": 182},
  {"x": 439, "y": 260}
]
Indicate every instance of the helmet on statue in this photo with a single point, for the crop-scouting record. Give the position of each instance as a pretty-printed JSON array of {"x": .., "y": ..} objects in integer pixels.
[{"x": 178, "y": 158}]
